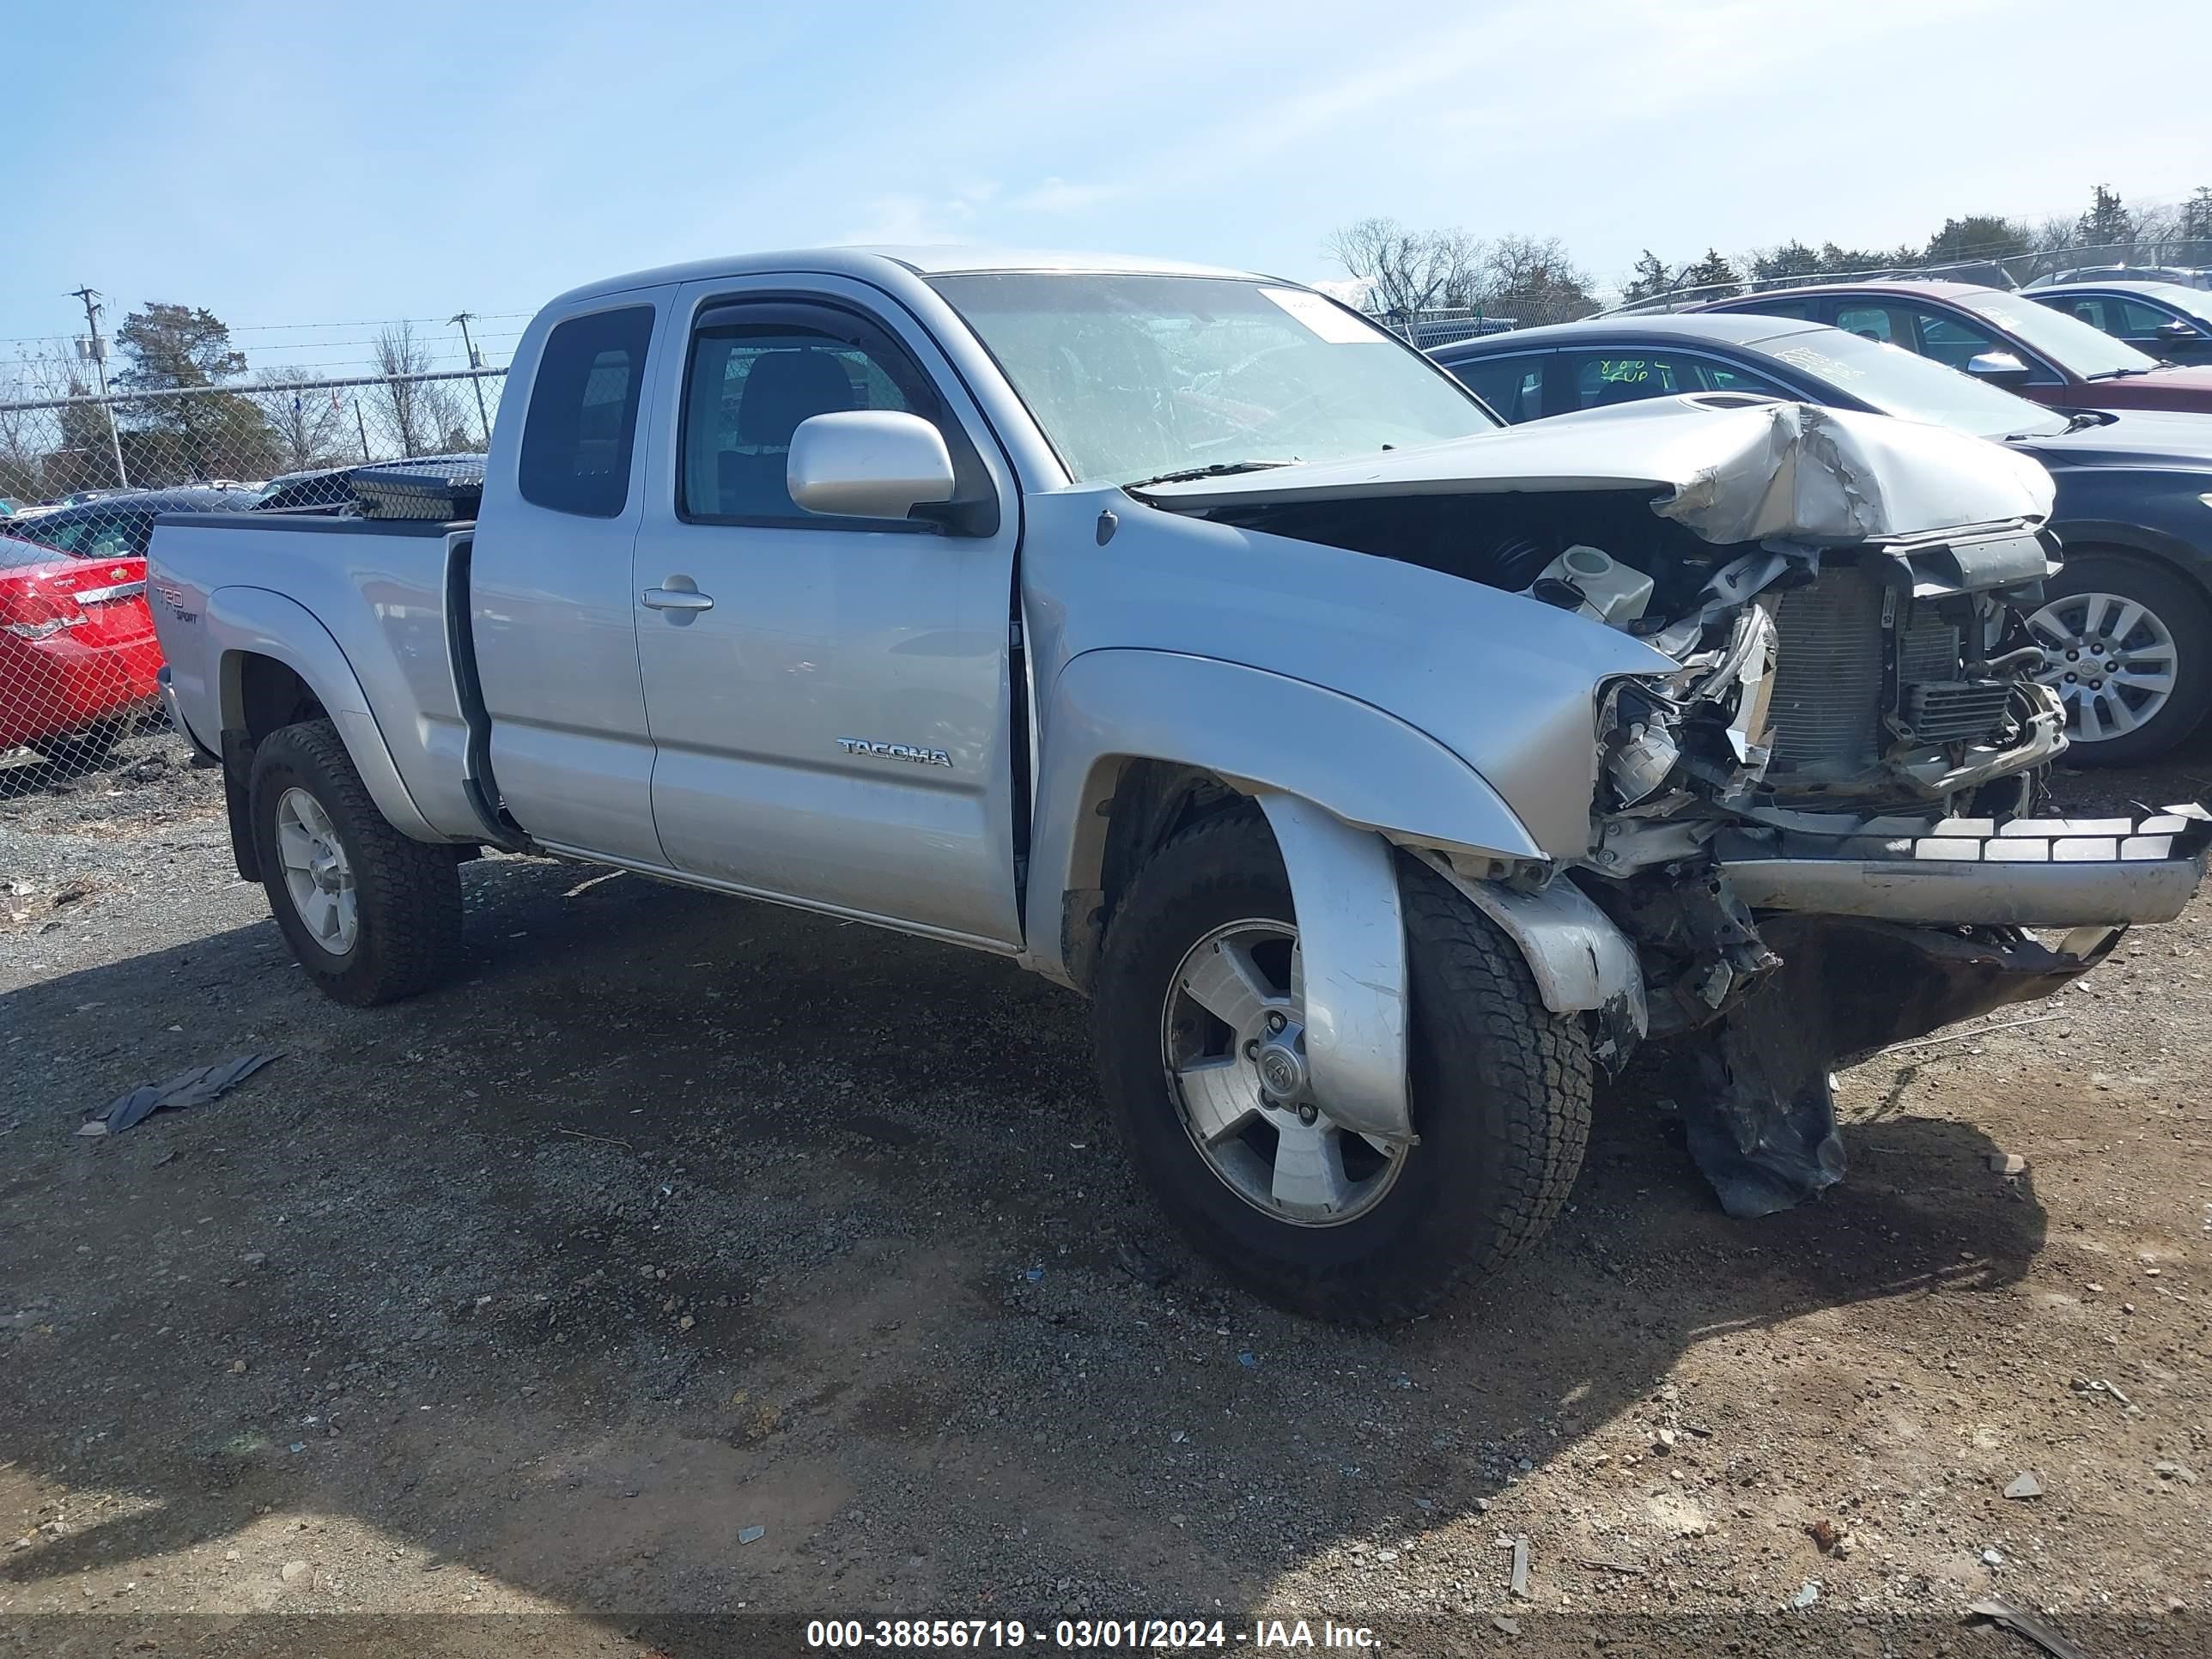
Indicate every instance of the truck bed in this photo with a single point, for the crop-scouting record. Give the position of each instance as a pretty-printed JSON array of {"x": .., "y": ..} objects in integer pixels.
[{"x": 372, "y": 591}]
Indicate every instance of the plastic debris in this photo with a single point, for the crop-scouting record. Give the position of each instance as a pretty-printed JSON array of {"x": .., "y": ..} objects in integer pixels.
[
  {"x": 2022, "y": 1623},
  {"x": 2008, "y": 1163},
  {"x": 752, "y": 1534},
  {"x": 1034, "y": 1274},
  {"x": 196, "y": 1087},
  {"x": 1247, "y": 1360},
  {"x": 2024, "y": 1484},
  {"x": 1807, "y": 1593},
  {"x": 1518, "y": 1582}
]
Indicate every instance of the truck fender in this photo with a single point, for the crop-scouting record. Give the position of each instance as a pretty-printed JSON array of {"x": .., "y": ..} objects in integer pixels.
[
  {"x": 1258, "y": 731},
  {"x": 1582, "y": 961},
  {"x": 1351, "y": 946},
  {"x": 244, "y": 622}
]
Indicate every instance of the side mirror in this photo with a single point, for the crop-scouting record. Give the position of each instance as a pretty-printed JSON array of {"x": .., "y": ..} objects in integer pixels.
[
  {"x": 2000, "y": 367},
  {"x": 868, "y": 464},
  {"x": 2179, "y": 330}
]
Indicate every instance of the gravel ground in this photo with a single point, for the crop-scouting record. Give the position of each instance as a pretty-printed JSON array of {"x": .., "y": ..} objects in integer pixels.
[{"x": 495, "y": 1320}]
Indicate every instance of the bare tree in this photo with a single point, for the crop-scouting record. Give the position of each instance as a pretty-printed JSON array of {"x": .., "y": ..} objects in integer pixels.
[
  {"x": 415, "y": 415},
  {"x": 1407, "y": 271},
  {"x": 310, "y": 424},
  {"x": 1531, "y": 280}
]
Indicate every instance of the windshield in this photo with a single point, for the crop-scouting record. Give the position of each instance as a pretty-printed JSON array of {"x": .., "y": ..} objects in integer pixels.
[
  {"x": 1909, "y": 387},
  {"x": 1131, "y": 377},
  {"x": 2066, "y": 341}
]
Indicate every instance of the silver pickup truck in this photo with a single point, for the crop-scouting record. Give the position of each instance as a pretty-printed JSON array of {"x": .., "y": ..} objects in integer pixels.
[{"x": 1381, "y": 773}]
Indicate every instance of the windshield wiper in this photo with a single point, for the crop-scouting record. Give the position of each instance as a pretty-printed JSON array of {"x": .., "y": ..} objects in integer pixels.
[
  {"x": 1217, "y": 469},
  {"x": 2118, "y": 373}
]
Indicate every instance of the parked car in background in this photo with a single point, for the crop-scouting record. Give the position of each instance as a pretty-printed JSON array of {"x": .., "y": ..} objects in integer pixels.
[
  {"x": 2196, "y": 277},
  {"x": 2125, "y": 627},
  {"x": 119, "y": 523},
  {"x": 2005, "y": 338},
  {"x": 2160, "y": 319},
  {"x": 78, "y": 655}
]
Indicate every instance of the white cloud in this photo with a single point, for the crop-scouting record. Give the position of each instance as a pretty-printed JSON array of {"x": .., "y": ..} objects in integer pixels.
[{"x": 1059, "y": 196}]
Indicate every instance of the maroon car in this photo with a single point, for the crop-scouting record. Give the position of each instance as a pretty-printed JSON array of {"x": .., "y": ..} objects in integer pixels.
[{"x": 2007, "y": 339}]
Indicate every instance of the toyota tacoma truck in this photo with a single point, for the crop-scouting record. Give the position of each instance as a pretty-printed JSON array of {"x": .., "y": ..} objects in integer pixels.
[{"x": 1381, "y": 773}]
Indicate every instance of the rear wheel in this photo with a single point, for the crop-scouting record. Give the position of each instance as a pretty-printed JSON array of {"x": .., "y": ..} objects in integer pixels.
[
  {"x": 2128, "y": 646},
  {"x": 371, "y": 915},
  {"x": 1199, "y": 1012}
]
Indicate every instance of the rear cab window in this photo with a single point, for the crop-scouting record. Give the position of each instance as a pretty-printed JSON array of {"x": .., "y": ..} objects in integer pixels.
[{"x": 580, "y": 435}]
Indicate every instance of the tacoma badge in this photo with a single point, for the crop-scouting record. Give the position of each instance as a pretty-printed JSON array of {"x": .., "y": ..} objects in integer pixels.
[{"x": 905, "y": 751}]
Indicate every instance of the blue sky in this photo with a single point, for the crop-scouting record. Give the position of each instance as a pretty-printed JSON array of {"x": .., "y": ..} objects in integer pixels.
[{"x": 289, "y": 165}]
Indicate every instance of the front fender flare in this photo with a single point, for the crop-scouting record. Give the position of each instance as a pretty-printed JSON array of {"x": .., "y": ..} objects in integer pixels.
[
  {"x": 243, "y": 622},
  {"x": 1352, "y": 943}
]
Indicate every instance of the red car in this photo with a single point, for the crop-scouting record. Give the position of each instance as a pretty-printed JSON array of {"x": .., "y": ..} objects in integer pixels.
[
  {"x": 2007, "y": 339},
  {"x": 77, "y": 652}
]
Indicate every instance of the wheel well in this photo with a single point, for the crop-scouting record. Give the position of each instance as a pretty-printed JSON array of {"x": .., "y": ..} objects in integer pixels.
[
  {"x": 1139, "y": 805},
  {"x": 271, "y": 696}
]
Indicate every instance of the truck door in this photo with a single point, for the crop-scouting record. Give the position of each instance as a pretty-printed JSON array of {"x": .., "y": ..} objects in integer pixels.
[
  {"x": 552, "y": 607},
  {"x": 828, "y": 698}
]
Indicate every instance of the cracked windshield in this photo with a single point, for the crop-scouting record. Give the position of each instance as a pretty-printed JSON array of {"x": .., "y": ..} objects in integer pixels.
[{"x": 1133, "y": 377}]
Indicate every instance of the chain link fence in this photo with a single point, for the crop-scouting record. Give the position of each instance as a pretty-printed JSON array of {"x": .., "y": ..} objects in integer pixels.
[{"x": 82, "y": 479}]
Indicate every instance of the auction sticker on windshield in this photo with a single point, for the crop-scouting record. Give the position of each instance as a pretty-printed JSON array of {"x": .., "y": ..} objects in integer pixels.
[{"x": 1333, "y": 324}]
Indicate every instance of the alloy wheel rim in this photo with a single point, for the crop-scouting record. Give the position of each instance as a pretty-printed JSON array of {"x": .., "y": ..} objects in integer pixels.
[
  {"x": 2111, "y": 659},
  {"x": 318, "y": 874},
  {"x": 1232, "y": 1046}
]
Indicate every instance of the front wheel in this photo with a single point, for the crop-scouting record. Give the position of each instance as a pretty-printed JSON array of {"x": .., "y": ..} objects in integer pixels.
[
  {"x": 372, "y": 915},
  {"x": 2128, "y": 647},
  {"x": 1198, "y": 1006}
]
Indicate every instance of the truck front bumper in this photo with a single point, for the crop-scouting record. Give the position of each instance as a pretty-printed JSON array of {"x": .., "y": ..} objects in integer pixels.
[{"x": 2027, "y": 873}]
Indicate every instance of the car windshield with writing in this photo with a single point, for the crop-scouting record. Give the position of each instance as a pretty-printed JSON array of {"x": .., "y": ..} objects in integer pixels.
[
  {"x": 1911, "y": 387},
  {"x": 1134, "y": 377}
]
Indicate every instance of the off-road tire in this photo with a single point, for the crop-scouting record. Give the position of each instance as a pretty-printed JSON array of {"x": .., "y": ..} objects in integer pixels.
[
  {"x": 408, "y": 893},
  {"x": 1501, "y": 1090}
]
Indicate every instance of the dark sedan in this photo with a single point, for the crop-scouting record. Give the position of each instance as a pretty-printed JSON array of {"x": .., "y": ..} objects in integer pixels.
[
  {"x": 2007, "y": 339},
  {"x": 2160, "y": 319},
  {"x": 2125, "y": 627},
  {"x": 118, "y": 524}
]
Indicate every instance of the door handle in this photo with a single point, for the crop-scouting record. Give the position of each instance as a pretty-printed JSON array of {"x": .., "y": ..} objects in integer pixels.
[{"x": 676, "y": 599}]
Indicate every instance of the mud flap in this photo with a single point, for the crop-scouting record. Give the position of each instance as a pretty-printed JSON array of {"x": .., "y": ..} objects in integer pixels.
[{"x": 1762, "y": 1124}]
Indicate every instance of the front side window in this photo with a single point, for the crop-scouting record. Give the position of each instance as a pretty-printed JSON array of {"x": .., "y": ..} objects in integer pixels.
[
  {"x": 1133, "y": 377},
  {"x": 582, "y": 427},
  {"x": 751, "y": 385},
  {"x": 2139, "y": 321},
  {"x": 1953, "y": 342},
  {"x": 1514, "y": 386}
]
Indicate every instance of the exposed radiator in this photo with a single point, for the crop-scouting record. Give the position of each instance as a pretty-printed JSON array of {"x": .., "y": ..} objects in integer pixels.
[
  {"x": 1830, "y": 696},
  {"x": 1826, "y": 708}
]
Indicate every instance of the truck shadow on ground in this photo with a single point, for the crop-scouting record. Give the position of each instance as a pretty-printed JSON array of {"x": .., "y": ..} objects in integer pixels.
[{"x": 684, "y": 1216}]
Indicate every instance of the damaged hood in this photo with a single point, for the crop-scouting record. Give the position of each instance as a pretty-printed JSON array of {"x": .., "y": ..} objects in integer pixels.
[{"x": 1730, "y": 471}]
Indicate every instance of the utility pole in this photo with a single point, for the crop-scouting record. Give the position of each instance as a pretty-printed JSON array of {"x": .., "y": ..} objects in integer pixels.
[
  {"x": 97, "y": 350},
  {"x": 362, "y": 427},
  {"x": 464, "y": 317}
]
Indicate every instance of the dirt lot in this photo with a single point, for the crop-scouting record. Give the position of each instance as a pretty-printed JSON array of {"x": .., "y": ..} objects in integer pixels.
[{"x": 493, "y": 1321}]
